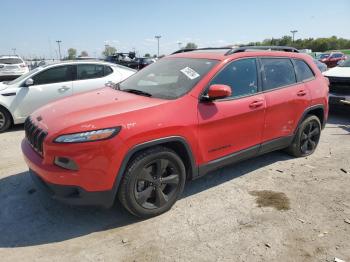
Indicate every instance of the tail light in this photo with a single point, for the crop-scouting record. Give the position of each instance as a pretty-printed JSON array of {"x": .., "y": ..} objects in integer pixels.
[{"x": 23, "y": 65}]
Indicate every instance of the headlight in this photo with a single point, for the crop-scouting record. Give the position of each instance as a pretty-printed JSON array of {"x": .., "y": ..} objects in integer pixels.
[{"x": 89, "y": 136}]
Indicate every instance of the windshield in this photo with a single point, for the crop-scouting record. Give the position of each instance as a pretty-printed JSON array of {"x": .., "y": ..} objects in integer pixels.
[
  {"x": 169, "y": 78},
  {"x": 346, "y": 63},
  {"x": 322, "y": 56},
  {"x": 10, "y": 61},
  {"x": 24, "y": 76}
]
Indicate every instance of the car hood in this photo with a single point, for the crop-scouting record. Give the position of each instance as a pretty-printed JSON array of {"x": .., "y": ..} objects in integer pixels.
[
  {"x": 93, "y": 110},
  {"x": 338, "y": 72}
]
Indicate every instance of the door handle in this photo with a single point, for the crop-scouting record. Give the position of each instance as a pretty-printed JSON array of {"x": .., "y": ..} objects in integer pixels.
[
  {"x": 256, "y": 104},
  {"x": 63, "y": 89},
  {"x": 301, "y": 93}
]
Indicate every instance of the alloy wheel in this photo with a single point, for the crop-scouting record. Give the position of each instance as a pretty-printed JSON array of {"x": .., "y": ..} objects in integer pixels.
[
  {"x": 2, "y": 120},
  {"x": 309, "y": 137},
  {"x": 157, "y": 184}
]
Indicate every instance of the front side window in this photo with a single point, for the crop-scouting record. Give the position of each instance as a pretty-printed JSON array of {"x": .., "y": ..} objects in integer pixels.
[
  {"x": 168, "y": 78},
  {"x": 278, "y": 72},
  {"x": 53, "y": 75},
  {"x": 241, "y": 76},
  {"x": 302, "y": 70},
  {"x": 89, "y": 71}
]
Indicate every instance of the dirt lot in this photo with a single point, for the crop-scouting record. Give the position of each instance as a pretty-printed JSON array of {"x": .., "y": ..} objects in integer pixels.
[{"x": 272, "y": 208}]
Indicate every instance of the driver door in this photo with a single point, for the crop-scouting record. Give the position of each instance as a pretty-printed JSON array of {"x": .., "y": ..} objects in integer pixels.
[
  {"x": 233, "y": 124},
  {"x": 48, "y": 85}
]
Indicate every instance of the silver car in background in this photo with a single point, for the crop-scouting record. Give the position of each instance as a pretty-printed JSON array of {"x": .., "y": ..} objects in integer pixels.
[{"x": 12, "y": 67}]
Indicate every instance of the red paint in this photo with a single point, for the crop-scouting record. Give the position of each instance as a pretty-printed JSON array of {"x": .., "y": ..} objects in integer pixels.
[
  {"x": 228, "y": 126},
  {"x": 219, "y": 91}
]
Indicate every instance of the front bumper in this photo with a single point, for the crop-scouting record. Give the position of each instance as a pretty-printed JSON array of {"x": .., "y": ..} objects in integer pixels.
[
  {"x": 74, "y": 195},
  {"x": 93, "y": 184}
]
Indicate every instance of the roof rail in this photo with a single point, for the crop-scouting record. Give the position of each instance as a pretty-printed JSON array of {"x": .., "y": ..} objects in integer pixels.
[
  {"x": 195, "y": 49},
  {"x": 267, "y": 48},
  {"x": 233, "y": 50}
]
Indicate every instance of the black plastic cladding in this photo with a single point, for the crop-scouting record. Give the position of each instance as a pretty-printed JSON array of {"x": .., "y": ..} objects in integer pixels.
[{"x": 35, "y": 135}]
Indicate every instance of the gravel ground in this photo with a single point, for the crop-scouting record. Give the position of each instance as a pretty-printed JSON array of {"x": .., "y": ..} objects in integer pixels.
[{"x": 271, "y": 208}]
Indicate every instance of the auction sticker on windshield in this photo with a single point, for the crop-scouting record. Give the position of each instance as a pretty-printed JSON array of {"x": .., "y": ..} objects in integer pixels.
[{"x": 190, "y": 73}]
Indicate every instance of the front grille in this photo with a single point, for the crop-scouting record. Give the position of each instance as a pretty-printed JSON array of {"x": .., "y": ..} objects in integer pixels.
[
  {"x": 339, "y": 85},
  {"x": 35, "y": 135}
]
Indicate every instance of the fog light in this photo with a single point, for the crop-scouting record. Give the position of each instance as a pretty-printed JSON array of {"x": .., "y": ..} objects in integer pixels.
[{"x": 66, "y": 163}]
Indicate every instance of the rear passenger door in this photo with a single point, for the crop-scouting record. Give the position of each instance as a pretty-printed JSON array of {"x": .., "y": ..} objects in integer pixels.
[
  {"x": 286, "y": 97},
  {"x": 93, "y": 76}
]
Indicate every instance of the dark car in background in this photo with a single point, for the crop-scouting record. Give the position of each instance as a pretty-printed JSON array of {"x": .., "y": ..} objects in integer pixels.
[
  {"x": 130, "y": 60},
  {"x": 331, "y": 59},
  {"x": 144, "y": 61}
]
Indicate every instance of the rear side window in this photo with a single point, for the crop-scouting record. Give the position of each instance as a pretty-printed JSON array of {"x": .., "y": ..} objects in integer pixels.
[
  {"x": 241, "y": 76},
  {"x": 53, "y": 75},
  {"x": 278, "y": 72},
  {"x": 302, "y": 70},
  {"x": 89, "y": 71}
]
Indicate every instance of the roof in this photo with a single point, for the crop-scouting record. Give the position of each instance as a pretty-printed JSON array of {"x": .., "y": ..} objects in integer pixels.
[
  {"x": 10, "y": 56},
  {"x": 76, "y": 62},
  {"x": 88, "y": 61}
]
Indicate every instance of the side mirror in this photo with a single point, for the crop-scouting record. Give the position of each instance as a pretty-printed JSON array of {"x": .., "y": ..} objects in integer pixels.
[
  {"x": 29, "y": 82},
  {"x": 218, "y": 92}
]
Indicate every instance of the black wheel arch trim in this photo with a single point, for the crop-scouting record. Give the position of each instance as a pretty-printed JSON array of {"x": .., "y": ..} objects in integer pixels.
[
  {"x": 307, "y": 111},
  {"x": 148, "y": 144}
]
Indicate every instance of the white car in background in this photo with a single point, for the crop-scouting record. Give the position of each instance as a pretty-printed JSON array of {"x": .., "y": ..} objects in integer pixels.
[
  {"x": 12, "y": 67},
  {"x": 20, "y": 97},
  {"x": 339, "y": 84}
]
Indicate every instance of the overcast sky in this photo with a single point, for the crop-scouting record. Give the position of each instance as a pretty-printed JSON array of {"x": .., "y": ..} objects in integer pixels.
[{"x": 32, "y": 27}]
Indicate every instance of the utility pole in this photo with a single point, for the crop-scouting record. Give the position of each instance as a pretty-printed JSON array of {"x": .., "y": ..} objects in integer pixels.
[
  {"x": 59, "y": 47},
  {"x": 293, "y": 33},
  {"x": 179, "y": 43},
  {"x": 14, "y": 51},
  {"x": 158, "y": 37}
]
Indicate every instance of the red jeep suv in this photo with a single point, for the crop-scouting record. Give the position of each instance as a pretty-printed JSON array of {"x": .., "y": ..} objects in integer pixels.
[{"x": 175, "y": 120}]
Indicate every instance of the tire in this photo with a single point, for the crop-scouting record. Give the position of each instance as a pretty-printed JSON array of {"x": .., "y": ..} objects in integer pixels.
[
  {"x": 5, "y": 120},
  {"x": 307, "y": 137},
  {"x": 152, "y": 182}
]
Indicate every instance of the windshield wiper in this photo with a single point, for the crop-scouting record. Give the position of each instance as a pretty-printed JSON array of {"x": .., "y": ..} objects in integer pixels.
[{"x": 137, "y": 92}]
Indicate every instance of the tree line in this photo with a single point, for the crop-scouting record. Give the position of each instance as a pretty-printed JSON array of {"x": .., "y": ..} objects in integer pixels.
[{"x": 315, "y": 44}]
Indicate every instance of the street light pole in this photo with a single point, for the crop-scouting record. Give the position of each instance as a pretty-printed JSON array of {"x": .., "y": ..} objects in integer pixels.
[
  {"x": 59, "y": 47},
  {"x": 14, "y": 51},
  {"x": 179, "y": 43},
  {"x": 293, "y": 33},
  {"x": 158, "y": 37}
]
